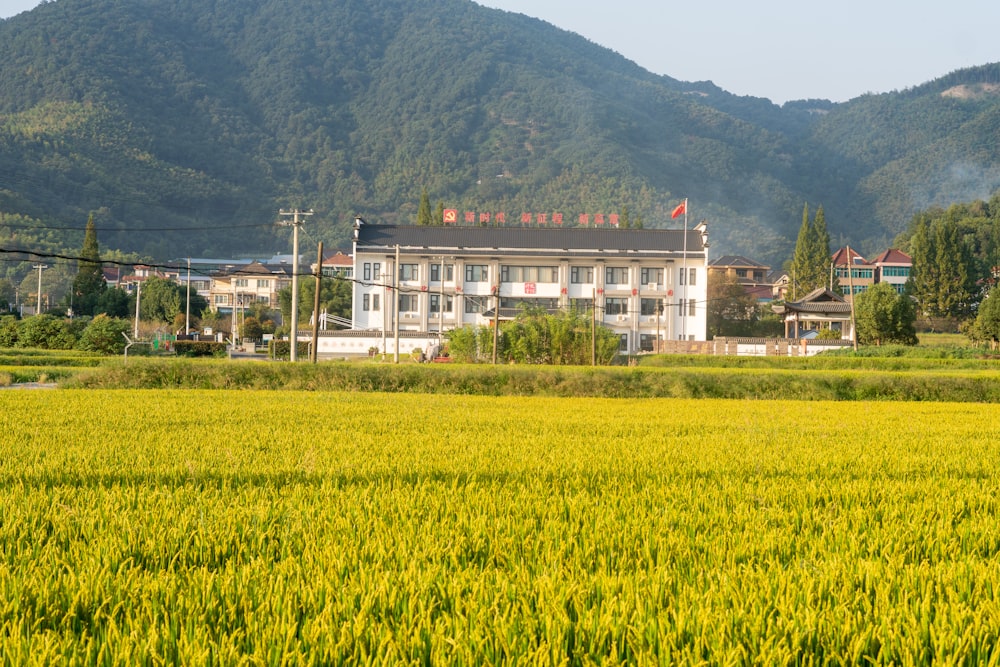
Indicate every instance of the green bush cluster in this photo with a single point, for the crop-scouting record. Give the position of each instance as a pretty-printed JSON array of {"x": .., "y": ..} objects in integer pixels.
[
  {"x": 199, "y": 348},
  {"x": 537, "y": 337},
  {"x": 282, "y": 349},
  {"x": 100, "y": 334}
]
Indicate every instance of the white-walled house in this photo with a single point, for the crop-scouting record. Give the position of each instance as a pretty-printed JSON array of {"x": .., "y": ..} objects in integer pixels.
[{"x": 646, "y": 283}]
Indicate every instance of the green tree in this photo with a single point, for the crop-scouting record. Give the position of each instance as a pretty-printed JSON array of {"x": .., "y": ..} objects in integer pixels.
[
  {"x": 624, "y": 220},
  {"x": 424, "y": 210},
  {"x": 10, "y": 331},
  {"x": 884, "y": 316},
  {"x": 115, "y": 302},
  {"x": 251, "y": 329},
  {"x": 104, "y": 335},
  {"x": 731, "y": 310},
  {"x": 161, "y": 300},
  {"x": 810, "y": 265},
  {"x": 439, "y": 214},
  {"x": 942, "y": 275},
  {"x": 7, "y": 295},
  {"x": 334, "y": 298},
  {"x": 988, "y": 319},
  {"x": 89, "y": 284},
  {"x": 821, "y": 256}
]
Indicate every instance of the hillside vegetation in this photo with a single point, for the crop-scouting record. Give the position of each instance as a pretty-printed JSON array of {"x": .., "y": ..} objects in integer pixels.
[{"x": 185, "y": 126}]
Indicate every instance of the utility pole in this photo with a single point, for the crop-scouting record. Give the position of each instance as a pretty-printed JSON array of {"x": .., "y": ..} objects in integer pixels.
[
  {"x": 40, "y": 267},
  {"x": 187, "y": 308},
  {"x": 593, "y": 327},
  {"x": 138, "y": 296},
  {"x": 294, "y": 224},
  {"x": 496, "y": 321},
  {"x": 386, "y": 291},
  {"x": 395, "y": 307},
  {"x": 850, "y": 283},
  {"x": 684, "y": 277},
  {"x": 441, "y": 308},
  {"x": 319, "y": 280}
]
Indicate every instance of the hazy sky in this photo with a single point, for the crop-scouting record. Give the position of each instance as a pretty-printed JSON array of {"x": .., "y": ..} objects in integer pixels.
[
  {"x": 779, "y": 49},
  {"x": 786, "y": 49}
]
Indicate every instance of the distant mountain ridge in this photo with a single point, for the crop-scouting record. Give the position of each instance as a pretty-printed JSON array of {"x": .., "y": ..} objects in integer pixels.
[{"x": 183, "y": 124}]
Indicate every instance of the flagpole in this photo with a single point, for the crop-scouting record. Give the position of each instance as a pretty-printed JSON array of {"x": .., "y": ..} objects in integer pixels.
[{"x": 684, "y": 276}]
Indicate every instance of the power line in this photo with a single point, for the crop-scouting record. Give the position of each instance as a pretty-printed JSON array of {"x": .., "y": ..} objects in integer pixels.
[{"x": 134, "y": 230}]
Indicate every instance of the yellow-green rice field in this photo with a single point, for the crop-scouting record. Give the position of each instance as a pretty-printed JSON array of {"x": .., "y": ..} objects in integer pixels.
[{"x": 252, "y": 527}]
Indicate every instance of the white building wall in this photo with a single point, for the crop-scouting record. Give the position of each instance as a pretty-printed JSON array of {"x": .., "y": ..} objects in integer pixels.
[{"x": 672, "y": 324}]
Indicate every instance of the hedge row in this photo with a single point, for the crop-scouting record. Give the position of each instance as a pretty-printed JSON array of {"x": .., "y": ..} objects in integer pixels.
[{"x": 959, "y": 386}]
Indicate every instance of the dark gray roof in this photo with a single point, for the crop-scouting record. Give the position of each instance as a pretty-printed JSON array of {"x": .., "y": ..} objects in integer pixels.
[
  {"x": 575, "y": 241},
  {"x": 737, "y": 260},
  {"x": 820, "y": 300}
]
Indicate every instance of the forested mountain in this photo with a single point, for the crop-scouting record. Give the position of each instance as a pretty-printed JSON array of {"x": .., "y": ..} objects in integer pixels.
[{"x": 184, "y": 126}]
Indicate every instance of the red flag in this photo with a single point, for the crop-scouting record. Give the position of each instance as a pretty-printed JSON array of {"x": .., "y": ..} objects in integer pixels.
[{"x": 680, "y": 210}]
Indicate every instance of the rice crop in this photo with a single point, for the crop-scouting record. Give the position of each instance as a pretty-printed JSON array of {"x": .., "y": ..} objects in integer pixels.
[{"x": 253, "y": 527}]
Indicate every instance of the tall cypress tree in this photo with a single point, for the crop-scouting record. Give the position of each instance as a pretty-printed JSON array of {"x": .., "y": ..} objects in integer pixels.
[
  {"x": 942, "y": 275},
  {"x": 821, "y": 251},
  {"x": 88, "y": 285},
  {"x": 424, "y": 210},
  {"x": 802, "y": 259}
]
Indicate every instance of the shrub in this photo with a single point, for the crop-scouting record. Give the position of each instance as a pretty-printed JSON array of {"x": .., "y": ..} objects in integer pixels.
[
  {"x": 104, "y": 335},
  {"x": 9, "y": 331},
  {"x": 199, "y": 348},
  {"x": 46, "y": 332}
]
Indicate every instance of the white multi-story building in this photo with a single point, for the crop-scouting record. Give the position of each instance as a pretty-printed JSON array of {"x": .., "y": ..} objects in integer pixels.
[{"x": 647, "y": 284}]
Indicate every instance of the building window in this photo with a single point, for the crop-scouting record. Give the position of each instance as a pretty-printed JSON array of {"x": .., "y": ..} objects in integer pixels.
[
  {"x": 529, "y": 274},
  {"x": 221, "y": 299},
  {"x": 616, "y": 275},
  {"x": 686, "y": 307},
  {"x": 860, "y": 274},
  {"x": 436, "y": 303},
  {"x": 581, "y": 305},
  {"x": 476, "y": 273},
  {"x": 649, "y": 276},
  {"x": 691, "y": 275},
  {"x": 371, "y": 270},
  {"x": 649, "y": 307},
  {"x": 242, "y": 282},
  {"x": 581, "y": 275},
  {"x": 449, "y": 273},
  {"x": 741, "y": 273},
  {"x": 263, "y": 283},
  {"x": 895, "y": 271},
  {"x": 408, "y": 303},
  {"x": 475, "y": 304},
  {"x": 616, "y": 306},
  {"x": 366, "y": 302},
  {"x": 623, "y": 342},
  {"x": 647, "y": 342},
  {"x": 409, "y": 272}
]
